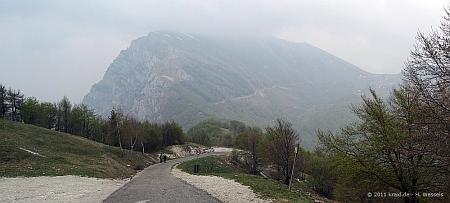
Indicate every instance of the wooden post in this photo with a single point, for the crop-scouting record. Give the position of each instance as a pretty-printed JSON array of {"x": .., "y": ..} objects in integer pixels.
[{"x": 293, "y": 166}]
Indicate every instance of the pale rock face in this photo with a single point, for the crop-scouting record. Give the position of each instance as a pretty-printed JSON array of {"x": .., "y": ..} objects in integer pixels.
[
  {"x": 188, "y": 79},
  {"x": 138, "y": 80}
]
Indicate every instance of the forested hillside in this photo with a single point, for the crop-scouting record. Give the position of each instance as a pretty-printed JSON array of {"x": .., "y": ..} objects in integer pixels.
[
  {"x": 213, "y": 132},
  {"x": 118, "y": 129}
]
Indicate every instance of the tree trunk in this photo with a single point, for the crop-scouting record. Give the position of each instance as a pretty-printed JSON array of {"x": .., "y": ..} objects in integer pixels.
[{"x": 120, "y": 141}]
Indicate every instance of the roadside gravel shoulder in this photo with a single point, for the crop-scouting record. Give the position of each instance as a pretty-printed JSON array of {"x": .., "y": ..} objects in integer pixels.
[{"x": 223, "y": 189}]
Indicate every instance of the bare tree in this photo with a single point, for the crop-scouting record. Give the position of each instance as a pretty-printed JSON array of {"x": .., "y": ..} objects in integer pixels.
[
  {"x": 249, "y": 140},
  {"x": 428, "y": 73},
  {"x": 132, "y": 131},
  {"x": 278, "y": 147}
]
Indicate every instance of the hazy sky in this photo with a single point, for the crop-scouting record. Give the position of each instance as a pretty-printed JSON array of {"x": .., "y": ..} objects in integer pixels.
[{"x": 49, "y": 49}]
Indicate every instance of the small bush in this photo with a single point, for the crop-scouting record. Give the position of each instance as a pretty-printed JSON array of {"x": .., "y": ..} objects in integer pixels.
[
  {"x": 139, "y": 166},
  {"x": 234, "y": 156}
]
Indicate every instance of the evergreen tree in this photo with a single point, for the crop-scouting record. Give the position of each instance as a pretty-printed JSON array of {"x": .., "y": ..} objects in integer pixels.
[
  {"x": 3, "y": 102},
  {"x": 115, "y": 122},
  {"x": 15, "y": 100},
  {"x": 64, "y": 110}
]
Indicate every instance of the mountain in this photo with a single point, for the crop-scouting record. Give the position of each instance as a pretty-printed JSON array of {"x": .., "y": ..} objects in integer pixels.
[{"x": 188, "y": 79}]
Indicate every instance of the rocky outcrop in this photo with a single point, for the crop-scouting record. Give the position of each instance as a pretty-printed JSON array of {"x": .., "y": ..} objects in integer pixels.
[{"x": 139, "y": 79}]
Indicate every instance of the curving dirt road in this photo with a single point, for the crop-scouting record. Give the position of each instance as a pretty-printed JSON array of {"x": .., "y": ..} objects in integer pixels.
[{"x": 156, "y": 184}]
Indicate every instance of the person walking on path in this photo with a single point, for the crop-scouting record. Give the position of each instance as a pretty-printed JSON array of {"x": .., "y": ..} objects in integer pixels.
[
  {"x": 165, "y": 158},
  {"x": 161, "y": 158}
]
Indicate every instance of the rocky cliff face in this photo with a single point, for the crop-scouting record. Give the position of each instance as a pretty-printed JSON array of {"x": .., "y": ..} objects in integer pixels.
[
  {"x": 174, "y": 76},
  {"x": 139, "y": 79}
]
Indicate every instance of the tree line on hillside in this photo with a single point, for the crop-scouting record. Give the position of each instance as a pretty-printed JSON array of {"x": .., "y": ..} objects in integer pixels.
[
  {"x": 118, "y": 129},
  {"x": 273, "y": 149},
  {"x": 215, "y": 133},
  {"x": 10, "y": 103}
]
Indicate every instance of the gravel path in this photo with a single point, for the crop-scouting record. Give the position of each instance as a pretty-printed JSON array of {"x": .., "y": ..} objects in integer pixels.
[
  {"x": 223, "y": 189},
  {"x": 57, "y": 189},
  {"x": 156, "y": 184}
]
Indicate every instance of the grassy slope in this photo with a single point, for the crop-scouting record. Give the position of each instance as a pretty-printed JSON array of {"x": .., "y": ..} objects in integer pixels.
[
  {"x": 64, "y": 154},
  {"x": 268, "y": 189}
]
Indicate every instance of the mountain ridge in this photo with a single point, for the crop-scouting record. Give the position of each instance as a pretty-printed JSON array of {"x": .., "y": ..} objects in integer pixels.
[{"x": 188, "y": 79}]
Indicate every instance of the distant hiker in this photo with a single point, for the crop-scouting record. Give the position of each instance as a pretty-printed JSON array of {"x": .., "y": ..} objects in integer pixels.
[
  {"x": 161, "y": 158},
  {"x": 165, "y": 158}
]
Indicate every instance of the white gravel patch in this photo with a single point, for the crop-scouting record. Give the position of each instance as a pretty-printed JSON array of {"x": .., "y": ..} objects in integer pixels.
[
  {"x": 223, "y": 189},
  {"x": 222, "y": 149},
  {"x": 57, "y": 189}
]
